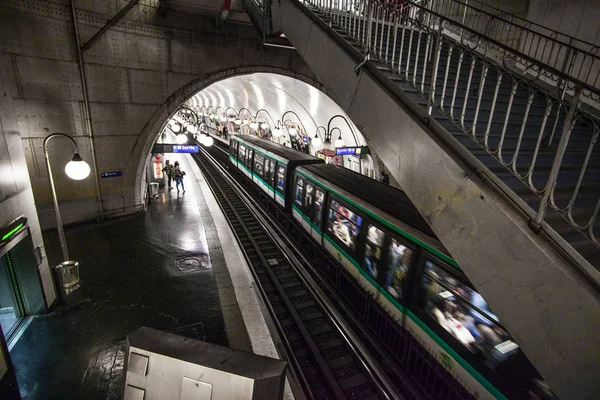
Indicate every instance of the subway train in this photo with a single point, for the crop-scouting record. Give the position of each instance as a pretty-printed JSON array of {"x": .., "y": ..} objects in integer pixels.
[{"x": 380, "y": 238}]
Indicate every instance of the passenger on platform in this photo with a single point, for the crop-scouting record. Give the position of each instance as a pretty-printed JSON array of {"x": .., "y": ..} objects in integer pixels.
[
  {"x": 179, "y": 174},
  {"x": 385, "y": 178},
  {"x": 168, "y": 169}
]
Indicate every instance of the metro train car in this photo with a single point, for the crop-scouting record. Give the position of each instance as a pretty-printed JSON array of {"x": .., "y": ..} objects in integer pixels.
[
  {"x": 381, "y": 239},
  {"x": 268, "y": 164}
]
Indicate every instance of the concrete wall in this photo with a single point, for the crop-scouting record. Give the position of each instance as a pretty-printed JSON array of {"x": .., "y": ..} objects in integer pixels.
[
  {"x": 16, "y": 195},
  {"x": 131, "y": 70},
  {"x": 578, "y": 18}
]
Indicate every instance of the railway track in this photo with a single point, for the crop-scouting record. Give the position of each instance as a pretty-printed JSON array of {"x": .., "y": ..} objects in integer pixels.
[{"x": 324, "y": 361}]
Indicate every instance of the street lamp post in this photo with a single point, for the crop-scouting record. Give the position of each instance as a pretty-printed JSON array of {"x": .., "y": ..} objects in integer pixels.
[{"x": 76, "y": 169}]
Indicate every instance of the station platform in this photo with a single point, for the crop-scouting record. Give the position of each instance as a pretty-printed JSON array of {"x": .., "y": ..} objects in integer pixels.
[{"x": 176, "y": 267}]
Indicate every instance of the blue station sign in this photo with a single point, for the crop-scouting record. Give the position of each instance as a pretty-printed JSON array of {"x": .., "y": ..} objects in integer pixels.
[
  {"x": 110, "y": 174},
  {"x": 351, "y": 151},
  {"x": 174, "y": 148},
  {"x": 185, "y": 148}
]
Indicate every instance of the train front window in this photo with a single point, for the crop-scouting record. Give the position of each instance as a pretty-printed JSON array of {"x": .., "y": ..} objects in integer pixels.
[
  {"x": 299, "y": 191},
  {"x": 344, "y": 224},
  {"x": 393, "y": 275},
  {"x": 269, "y": 171},
  {"x": 280, "y": 177},
  {"x": 463, "y": 313},
  {"x": 259, "y": 161},
  {"x": 373, "y": 246}
]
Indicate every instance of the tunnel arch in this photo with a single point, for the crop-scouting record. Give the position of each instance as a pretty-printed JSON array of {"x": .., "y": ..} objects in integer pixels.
[{"x": 141, "y": 153}]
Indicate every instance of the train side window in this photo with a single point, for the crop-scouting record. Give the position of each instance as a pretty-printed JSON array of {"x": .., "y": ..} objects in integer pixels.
[
  {"x": 280, "y": 177},
  {"x": 269, "y": 171},
  {"x": 242, "y": 153},
  {"x": 318, "y": 206},
  {"x": 344, "y": 224},
  {"x": 299, "y": 190},
  {"x": 373, "y": 251},
  {"x": 232, "y": 147},
  {"x": 248, "y": 162},
  {"x": 465, "y": 315},
  {"x": 309, "y": 194},
  {"x": 394, "y": 273},
  {"x": 259, "y": 161}
]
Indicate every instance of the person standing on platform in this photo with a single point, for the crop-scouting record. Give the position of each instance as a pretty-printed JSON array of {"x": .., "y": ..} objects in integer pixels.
[
  {"x": 168, "y": 169},
  {"x": 385, "y": 178},
  {"x": 179, "y": 174}
]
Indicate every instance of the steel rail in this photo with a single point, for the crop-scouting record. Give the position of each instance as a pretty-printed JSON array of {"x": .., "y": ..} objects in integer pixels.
[{"x": 294, "y": 263}]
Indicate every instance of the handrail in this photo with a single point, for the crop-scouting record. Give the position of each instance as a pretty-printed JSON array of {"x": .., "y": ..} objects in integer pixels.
[
  {"x": 529, "y": 140},
  {"x": 478, "y": 5},
  {"x": 557, "y": 62}
]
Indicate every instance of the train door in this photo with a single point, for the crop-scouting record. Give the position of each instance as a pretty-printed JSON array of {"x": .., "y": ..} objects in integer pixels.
[
  {"x": 241, "y": 157},
  {"x": 249, "y": 160},
  {"x": 269, "y": 175},
  {"x": 280, "y": 184}
]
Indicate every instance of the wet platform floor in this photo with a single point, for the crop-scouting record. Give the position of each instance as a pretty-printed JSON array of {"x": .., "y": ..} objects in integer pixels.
[{"x": 156, "y": 269}]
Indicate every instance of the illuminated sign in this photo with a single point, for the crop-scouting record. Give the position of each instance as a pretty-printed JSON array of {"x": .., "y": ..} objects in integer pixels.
[
  {"x": 185, "y": 148},
  {"x": 158, "y": 170},
  {"x": 351, "y": 151},
  {"x": 11, "y": 229},
  {"x": 161, "y": 148},
  {"x": 111, "y": 174}
]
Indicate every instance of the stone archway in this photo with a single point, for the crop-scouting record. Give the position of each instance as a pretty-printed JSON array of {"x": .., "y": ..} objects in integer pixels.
[{"x": 135, "y": 173}]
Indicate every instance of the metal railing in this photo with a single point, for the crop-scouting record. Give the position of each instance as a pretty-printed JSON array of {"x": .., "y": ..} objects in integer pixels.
[
  {"x": 464, "y": 75},
  {"x": 557, "y": 52}
]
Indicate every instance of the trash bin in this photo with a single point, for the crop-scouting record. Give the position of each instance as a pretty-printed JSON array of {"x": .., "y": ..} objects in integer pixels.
[
  {"x": 154, "y": 189},
  {"x": 66, "y": 275}
]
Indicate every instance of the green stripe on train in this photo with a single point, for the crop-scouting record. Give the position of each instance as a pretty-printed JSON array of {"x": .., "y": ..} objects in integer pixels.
[
  {"x": 364, "y": 273},
  {"x": 463, "y": 363},
  {"x": 295, "y": 207},
  {"x": 262, "y": 152},
  {"x": 472, "y": 371},
  {"x": 386, "y": 223},
  {"x": 269, "y": 186}
]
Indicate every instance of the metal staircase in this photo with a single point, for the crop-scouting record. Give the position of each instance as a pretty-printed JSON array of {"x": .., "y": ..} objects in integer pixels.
[
  {"x": 533, "y": 126},
  {"x": 490, "y": 124}
]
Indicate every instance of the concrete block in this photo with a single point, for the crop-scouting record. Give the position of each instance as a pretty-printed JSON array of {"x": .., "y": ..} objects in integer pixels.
[
  {"x": 123, "y": 49},
  {"x": 107, "y": 84},
  {"x": 46, "y": 37},
  {"x": 42, "y": 78},
  {"x": 148, "y": 87}
]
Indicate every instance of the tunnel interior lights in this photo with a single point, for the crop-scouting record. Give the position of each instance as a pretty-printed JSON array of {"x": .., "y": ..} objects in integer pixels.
[
  {"x": 254, "y": 125},
  {"x": 192, "y": 129},
  {"x": 316, "y": 141},
  {"x": 212, "y": 116},
  {"x": 264, "y": 125},
  {"x": 339, "y": 142},
  {"x": 176, "y": 127},
  {"x": 206, "y": 140},
  {"x": 292, "y": 130},
  {"x": 77, "y": 169},
  {"x": 181, "y": 138},
  {"x": 238, "y": 121}
]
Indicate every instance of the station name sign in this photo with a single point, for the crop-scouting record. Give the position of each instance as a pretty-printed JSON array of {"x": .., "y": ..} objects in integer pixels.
[
  {"x": 174, "y": 148},
  {"x": 351, "y": 151}
]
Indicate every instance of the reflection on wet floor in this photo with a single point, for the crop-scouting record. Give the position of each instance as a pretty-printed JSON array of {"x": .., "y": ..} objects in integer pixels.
[{"x": 152, "y": 269}]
